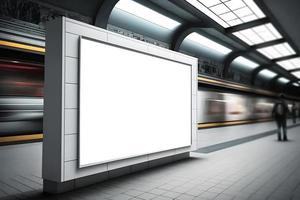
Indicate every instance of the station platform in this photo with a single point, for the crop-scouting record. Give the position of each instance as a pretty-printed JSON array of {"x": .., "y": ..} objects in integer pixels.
[{"x": 260, "y": 169}]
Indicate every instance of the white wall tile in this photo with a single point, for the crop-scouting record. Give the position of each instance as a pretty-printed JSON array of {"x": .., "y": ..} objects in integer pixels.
[
  {"x": 71, "y": 96},
  {"x": 71, "y": 147},
  {"x": 71, "y": 72},
  {"x": 72, "y": 44},
  {"x": 71, "y": 123}
]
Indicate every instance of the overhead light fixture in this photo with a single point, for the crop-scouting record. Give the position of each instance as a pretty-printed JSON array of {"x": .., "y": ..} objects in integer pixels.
[
  {"x": 283, "y": 80},
  {"x": 258, "y": 34},
  {"x": 296, "y": 84},
  {"x": 297, "y": 74},
  {"x": 277, "y": 51},
  {"x": 290, "y": 64},
  {"x": 229, "y": 12},
  {"x": 246, "y": 62},
  {"x": 146, "y": 13},
  {"x": 267, "y": 74},
  {"x": 208, "y": 43}
]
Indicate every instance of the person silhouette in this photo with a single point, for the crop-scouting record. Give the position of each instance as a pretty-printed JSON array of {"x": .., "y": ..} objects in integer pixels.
[{"x": 279, "y": 112}]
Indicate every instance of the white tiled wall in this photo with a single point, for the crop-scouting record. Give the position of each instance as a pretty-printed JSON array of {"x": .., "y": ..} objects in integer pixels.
[{"x": 72, "y": 30}]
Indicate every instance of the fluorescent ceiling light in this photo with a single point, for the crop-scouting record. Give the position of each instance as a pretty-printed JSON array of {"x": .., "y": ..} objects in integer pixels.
[
  {"x": 267, "y": 73},
  {"x": 258, "y": 34},
  {"x": 207, "y": 11},
  {"x": 245, "y": 62},
  {"x": 148, "y": 14},
  {"x": 229, "y": 12},
  {"x": 277, "y": 51},
  {"x": 297, "y": 74},
  {"x": 243, "y": 37},
  {"x": 296, "y": 84},
  {"x": 290, "y": 64},
  {"x": 208, "y": 43},
  {"x": 283, "y": 80}
]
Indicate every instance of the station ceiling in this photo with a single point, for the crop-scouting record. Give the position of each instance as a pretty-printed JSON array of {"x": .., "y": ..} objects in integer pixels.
[
  {"x": 286, "y": 14},
  {"x": 282, "y": 14}
]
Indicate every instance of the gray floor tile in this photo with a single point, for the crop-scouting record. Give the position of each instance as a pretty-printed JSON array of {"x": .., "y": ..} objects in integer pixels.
[
  {"x": 147, "y": 196},
  {"x": 261, "y": 169},
  {"x": 185, "y": 197}
]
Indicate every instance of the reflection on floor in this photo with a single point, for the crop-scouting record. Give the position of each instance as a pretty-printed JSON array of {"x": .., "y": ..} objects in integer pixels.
[{"x": 261, "y": 169}]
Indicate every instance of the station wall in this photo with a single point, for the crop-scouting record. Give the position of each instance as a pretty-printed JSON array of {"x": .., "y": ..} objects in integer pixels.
[{"x": 61, "y": 171}]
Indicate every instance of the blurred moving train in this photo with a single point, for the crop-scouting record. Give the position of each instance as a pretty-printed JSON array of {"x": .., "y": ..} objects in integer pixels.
[
  {"x": 218, "y": 106},
  {"x": 21, "y": 98}
]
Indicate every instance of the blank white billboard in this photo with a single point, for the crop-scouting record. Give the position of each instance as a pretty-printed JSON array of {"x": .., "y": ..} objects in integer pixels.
[{"x": 130, "y": 103}]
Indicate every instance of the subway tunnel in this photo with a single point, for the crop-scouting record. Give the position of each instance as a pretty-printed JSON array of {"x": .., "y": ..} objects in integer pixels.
[{"x": 147, "y": 99}]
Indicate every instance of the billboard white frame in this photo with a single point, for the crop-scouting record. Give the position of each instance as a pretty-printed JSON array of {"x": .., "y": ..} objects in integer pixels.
[{"x": 105, "y": 71}]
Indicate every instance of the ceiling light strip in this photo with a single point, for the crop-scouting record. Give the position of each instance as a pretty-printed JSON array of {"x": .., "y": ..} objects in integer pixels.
[
  {"x": 267, "y": 73},
  {"x": 258, "y": 34},
  {"x": 246, "y": 62},
  {"x": 290, "y": 64},
  {"x": 277, "y": 51},
  {"x": 147, "y": 14},
  {"x": 198, "y": 5},
  {"x": 283, "y": 80},
  {"x": 229, "y": 13},
  {"x": 297, "y": 74},
  {"x": 208, "y": 43}
]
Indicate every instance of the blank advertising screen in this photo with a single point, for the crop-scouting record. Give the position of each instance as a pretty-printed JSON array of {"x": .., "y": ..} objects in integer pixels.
[{"x": 130, "y": 104}]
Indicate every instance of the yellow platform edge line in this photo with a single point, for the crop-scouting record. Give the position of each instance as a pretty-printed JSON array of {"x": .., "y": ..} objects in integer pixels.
[
  {"x": 21, "y": 138},
  {"x": 22, "y": 46},
  {"x": 217, "y": 124}
]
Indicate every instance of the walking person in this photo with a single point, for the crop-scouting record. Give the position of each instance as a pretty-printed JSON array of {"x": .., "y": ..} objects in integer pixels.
[{"x": 280, "y": 112}]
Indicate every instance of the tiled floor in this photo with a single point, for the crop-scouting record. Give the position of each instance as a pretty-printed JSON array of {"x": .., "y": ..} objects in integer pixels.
[
  {"x": 257, "y": 170},
  {"x": 20, "y": 169}
]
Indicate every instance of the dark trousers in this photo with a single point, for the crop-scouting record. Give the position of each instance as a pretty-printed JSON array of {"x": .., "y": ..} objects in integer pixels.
[{"x": 281, "y": 124}]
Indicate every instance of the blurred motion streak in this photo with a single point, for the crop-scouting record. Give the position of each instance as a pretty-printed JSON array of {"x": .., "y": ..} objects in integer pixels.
[
  {"x": 218, "y": 108},
  {"x": 21, "y": 101}
]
